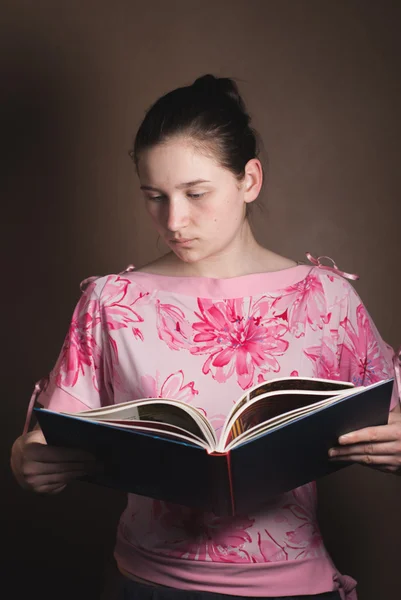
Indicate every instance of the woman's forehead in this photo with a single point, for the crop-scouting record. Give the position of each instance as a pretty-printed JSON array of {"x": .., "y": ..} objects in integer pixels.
[{"x": 178, "y": 161}]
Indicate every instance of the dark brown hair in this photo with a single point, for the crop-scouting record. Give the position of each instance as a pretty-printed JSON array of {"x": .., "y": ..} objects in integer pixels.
[{"x": 211, "y": 113}]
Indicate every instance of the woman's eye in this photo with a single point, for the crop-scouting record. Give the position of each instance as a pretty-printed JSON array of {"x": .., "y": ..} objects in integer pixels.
[{"x": 161, "y": 197}]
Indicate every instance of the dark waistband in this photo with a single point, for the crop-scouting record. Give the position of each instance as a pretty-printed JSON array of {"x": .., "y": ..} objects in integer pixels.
[{"x": 133, "y": 590}]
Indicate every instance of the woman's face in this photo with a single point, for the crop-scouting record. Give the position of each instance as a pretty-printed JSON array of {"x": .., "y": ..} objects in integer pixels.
[{"x": 197, "y": 206}]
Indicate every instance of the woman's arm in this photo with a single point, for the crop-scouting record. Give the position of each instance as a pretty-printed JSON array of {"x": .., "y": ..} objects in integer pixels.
[
  {"x": 365, "y": 359},
  {"x": 77, "y": 375}
]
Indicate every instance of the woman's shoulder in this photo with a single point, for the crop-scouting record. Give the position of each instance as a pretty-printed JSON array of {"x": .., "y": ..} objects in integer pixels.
[
  {"x": 164, "y": 265},
  {"x": 277, "y": 275}
]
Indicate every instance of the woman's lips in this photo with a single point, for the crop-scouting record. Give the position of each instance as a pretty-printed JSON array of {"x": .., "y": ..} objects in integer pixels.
[{"x": 183, "y": 242}]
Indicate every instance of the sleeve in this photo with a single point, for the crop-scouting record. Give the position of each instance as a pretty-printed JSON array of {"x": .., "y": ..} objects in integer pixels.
[
  {"x": 79, "y": 380},
  {"x": 364, "y": 357}
]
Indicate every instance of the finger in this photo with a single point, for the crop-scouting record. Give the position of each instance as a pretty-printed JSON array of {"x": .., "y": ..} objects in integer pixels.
[
  {"x": 46, "y": 454},
  {"x": 383, "y": 448},
  {"x": 38, "y": 482},
  {"x": 51, "y": 489},
  {"x": 32, "y": 469},
  {"x": 371, "y": 460},
  {"x": 383, "y": 433}
]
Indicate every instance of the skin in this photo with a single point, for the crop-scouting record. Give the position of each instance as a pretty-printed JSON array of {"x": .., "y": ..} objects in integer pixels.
[
  {"x": 46, "y": 469},
  {"x": 377, "y": 447},
  {"x": 211, "y": 214}
]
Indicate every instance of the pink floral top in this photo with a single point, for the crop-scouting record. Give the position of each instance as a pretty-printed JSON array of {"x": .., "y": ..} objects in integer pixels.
[{"x": 204, "y": 341}]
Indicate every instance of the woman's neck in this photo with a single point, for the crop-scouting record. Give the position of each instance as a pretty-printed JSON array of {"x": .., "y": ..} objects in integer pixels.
[{"x": 244, "y": 257}]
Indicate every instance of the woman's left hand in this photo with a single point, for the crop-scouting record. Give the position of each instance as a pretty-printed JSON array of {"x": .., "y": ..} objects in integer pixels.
[{"x": 377, "y": 447}]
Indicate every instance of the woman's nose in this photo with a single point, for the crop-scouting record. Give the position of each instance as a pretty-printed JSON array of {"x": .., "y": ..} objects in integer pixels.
[{"x": 177, "y": 216}]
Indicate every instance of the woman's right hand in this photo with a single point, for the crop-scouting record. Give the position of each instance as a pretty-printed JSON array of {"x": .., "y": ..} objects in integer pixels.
[{"x": 47, "y": 469}]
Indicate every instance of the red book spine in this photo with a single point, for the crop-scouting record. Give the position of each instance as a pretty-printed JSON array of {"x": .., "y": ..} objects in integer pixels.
[{"x": 230, "y": 481}]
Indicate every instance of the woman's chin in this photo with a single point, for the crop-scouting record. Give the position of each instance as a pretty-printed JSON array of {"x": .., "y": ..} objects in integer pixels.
[
  {"x": 186, "y": 253},
  {"x": 187, "y": 257}
]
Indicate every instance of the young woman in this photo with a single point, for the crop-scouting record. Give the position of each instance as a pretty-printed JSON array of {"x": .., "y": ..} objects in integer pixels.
[{"x": 211, "y": 318}]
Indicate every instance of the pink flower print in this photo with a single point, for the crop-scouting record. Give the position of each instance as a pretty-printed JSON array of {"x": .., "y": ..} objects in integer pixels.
[
  {"x": 121, "y": 300},
  {"x": 172, "y": 327},
  {"x": 269, "y": 550},
  {"x": 196, "y": 535},
  {"x": 239, "y": 338},
  {"x": 80, "y": 348},
  {"x": 362, "y": 359},
  {"x": 172, "y": 387},
  {"x": 298, "y": 511},
  {"x": 305, "y": 495},
  {"x": 305, "y": 535},
  {"x": 307, "y": 539},
  {"x": 303, "y": 304},
  {"x": 325, "y": 358},
  {"x": 119, "y": 297}
]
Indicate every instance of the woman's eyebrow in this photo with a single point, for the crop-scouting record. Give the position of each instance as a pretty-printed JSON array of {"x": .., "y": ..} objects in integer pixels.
[
  {"x": 191, "y": 183},
  {"x": 179, "y": 186}
]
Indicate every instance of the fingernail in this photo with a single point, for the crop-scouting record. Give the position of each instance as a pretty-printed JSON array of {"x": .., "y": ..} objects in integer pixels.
[{"x": 332, "y": 452}]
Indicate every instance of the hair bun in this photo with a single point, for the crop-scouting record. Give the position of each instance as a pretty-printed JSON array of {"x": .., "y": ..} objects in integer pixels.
[
  {"x": 206, "y": 82},
  {"x": 209, "y": 84}
]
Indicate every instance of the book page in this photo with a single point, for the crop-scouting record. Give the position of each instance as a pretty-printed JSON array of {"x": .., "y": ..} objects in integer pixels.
[
  {"x": 157, "y": 410},
  {"x": 160, "y": 429},
  {"x": 277, "y": 421},
  {"x": 290, "y": 383},
  {"x": 281, "y": 419},
  {"x": 168, "y": 413},
  {"x": 299, "y": 383},
  {"x": 262, "y": 409}
]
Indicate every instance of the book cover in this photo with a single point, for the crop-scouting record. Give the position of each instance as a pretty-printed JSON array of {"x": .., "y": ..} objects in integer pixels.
[{"x": 227, "y": 483}]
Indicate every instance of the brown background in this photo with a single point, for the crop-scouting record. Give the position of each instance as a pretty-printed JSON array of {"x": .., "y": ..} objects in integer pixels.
[{"x": 322, "y": 81}]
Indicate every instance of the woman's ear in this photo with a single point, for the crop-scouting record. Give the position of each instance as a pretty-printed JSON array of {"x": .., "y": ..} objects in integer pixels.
[{"x": 253, "y": 179}]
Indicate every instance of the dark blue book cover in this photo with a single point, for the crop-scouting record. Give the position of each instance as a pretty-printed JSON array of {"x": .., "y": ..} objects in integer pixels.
[{"x": 235, "y": 482}]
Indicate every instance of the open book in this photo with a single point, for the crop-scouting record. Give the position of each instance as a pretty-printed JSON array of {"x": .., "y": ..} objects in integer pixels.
[{"x": 275, "y": 438}]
